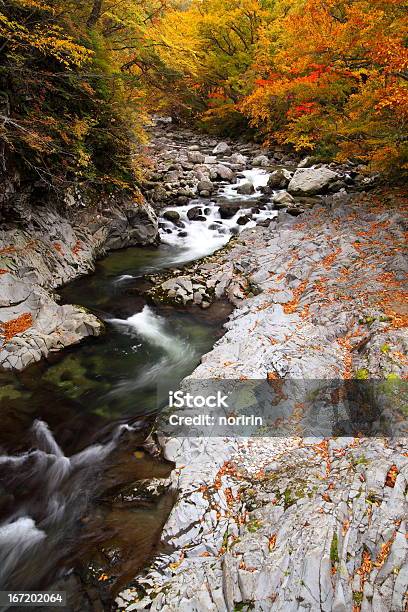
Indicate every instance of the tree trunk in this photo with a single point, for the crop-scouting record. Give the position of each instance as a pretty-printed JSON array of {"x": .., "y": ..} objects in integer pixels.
[{"x": 95, "y": 13}]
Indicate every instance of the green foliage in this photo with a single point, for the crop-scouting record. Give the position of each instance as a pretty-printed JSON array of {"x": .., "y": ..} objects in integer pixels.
[
  {"x": 254, "y": 525},
  {"x": 244, "y": 606},
  {"x": 362, "y": 374},
  {"x": 334, "y": 549}
]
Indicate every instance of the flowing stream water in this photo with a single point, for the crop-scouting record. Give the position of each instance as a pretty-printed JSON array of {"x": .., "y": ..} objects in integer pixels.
[{"x": 74, "y": 428}]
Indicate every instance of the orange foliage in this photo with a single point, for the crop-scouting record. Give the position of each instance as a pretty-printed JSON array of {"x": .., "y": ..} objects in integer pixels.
[
  {"x": 11, "y": 328},
  {"x": 330, "y": 259},
  {"x": 7, "y": 250},
  {"x": 292, "y": 306},
  {"x": 391, "y": 476},
  {"x": 335, "y": 81},
  {"x": 272, "y": 542},
  {"x": 322, "y": 449},
  {"x": 76, "y": 248}
]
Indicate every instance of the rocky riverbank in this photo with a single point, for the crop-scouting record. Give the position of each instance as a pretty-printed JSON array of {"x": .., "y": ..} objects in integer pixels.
[
  {"x": 330, "y": 286},
  {"x": 42, "y": 249},
  {"x": 289, "y": 523}
]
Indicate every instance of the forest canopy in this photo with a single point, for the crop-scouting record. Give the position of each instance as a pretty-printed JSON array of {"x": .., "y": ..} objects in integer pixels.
[
  {"x": 79, "y": 80},
  {"x": 325, "y": 76}
]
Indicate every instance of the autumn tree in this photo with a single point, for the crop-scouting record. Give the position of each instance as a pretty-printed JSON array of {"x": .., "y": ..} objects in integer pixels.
[
  {"x": 327, "y": 77},
  {"x": 72, "y": 110},
  {"x": 208, "y": 48},
  {"x": 78, "y": 79},
  {"x": 332, "y": 80}
]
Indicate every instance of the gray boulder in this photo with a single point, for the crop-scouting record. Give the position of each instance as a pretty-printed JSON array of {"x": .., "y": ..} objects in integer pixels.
[
  {"x": 195, "y": 213},
  {"x": 133, "y": 224},
  {"x": 260, "y": 160},
  {"x": 279, "y": 179},
  {"x": 311, "y": 181},
  {"x": 237, "y": 158},
  {"x": 180, "y": 289},
  {"x": 222, "y": 148},
  {"x": 205, "y": 173},
  {"x": 195, "y": 157},
  {"x": 225, "y": 173},
  {"x": 182, "y": 200},
  {"x": 283, "y": 199},
  {"x": 171, "y": 215},
  {"x": 243, "y": 220},
  {"x": 246, "y": 189},
  {"x": 228, "y": 210},
  {"x": 205, "y": 185},
  {"x": 210, "y": 159}
]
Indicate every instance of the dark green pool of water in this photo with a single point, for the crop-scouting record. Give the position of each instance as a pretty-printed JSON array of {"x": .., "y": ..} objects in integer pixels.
[{"x": 113, "y": 378}]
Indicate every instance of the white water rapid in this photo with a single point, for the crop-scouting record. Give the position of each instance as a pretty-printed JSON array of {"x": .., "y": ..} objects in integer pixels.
[
  {"x": 151, "y": 329},
  {"x": 197, "y": 238}
]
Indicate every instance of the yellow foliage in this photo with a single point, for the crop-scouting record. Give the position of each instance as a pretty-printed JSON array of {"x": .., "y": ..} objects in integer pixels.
[{"x": 50, "y": 40}]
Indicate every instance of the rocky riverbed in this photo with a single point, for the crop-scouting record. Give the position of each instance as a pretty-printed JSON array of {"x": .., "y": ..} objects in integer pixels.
[
  {"x": 316, "y": 296},
  {"x": 204, "y": 191},
  {"x": 315, "y": 268}
]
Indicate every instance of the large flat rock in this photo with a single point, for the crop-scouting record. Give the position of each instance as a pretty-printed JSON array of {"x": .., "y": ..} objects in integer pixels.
[{"x": 311, "y": 181}]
